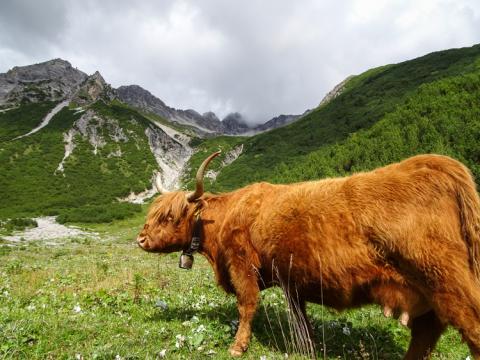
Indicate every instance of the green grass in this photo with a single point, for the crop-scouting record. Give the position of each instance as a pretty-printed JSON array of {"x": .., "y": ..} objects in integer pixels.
[{"x": 102, "y": 298}]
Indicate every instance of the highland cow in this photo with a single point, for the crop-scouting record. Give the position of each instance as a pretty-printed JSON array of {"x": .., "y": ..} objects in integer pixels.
[{"x": 405, "y": 236}]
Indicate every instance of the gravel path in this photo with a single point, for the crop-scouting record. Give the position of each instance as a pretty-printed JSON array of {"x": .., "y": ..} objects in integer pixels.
[
  {"x": 46, "y": 119},
  {"x": 49, "y": 229}
]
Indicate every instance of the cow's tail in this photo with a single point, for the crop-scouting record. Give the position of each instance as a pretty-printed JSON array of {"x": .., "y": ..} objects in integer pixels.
[{"x": 469, "y": 206}]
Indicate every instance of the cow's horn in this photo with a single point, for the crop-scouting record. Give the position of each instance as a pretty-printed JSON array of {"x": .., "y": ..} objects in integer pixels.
[{"x": 199, "y": 185}]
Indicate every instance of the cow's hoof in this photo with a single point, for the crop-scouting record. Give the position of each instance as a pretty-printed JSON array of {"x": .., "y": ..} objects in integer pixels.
[
  {"x": 236, "y": 350},
  {"x": 404, "y": 318},
  {"x": 387, "y": 311}
]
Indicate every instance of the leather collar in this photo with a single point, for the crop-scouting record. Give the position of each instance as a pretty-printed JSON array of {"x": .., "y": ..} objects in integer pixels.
[{"x": 186, "y": 258}]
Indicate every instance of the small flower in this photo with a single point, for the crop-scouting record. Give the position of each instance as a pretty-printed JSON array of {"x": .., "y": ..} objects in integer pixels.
[
  {"x": 211, "y": 352},
  {"x": 118, "y": 357},
  {"x": 194, "y": 319},
  {"x": 201, "y": 328},
  {"x": 263, "y": 357},
  {"x": 180, "y": 340},
  {"x": 77, "y": 309},
  {"x": 31, "y": 307},
  {"x": 162, "y": 353}
]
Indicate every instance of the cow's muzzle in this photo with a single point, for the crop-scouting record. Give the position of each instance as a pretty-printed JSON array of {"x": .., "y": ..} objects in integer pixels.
[{"x": 141, "y": 240}]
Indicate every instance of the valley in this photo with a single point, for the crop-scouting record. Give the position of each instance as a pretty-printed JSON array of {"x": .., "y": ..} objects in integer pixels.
[{"x": 85, "y": 160}]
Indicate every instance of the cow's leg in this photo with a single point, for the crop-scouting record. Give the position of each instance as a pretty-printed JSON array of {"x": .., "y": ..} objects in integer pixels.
[
  {"x": 459, "y": 306},
  {"x": 244, "y": 281},
  {"x": 426, "y": 330}
]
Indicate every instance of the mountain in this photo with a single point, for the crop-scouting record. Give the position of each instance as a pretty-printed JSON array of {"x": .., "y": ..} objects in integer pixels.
[
  {"x": 205, "y": 125},
  {"x": 331, "y": 130},
  {"x": 140, "y": 98},
  {"x": 49, "y": 81},
  {"x": 72, "y": 146}
]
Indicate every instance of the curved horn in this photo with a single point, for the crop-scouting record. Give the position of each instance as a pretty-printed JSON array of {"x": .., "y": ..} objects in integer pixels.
[{"x": 199, "y": 185}]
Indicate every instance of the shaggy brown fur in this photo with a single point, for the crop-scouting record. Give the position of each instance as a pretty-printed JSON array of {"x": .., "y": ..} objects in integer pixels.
[{"x": 405, "y": 236}]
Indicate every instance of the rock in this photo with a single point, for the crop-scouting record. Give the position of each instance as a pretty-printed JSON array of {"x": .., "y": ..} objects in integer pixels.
[
  {"x": 337, "y": 90},
  {"x": 93, "y": 89},
  {"x": 52, "y": 80}
]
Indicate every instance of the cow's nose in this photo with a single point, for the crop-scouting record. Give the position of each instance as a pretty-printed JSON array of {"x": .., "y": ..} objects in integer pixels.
[{"x": 141, "y": 239}]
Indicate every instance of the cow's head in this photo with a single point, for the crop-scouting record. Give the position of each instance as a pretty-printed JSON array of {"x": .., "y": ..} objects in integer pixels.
[{"x": 169, "y": 221}]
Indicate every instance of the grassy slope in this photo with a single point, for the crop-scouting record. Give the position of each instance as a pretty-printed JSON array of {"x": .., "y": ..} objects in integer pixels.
[
  {"x": 116, "y": 286},
  {"x": 90, "y": 180},
  {"x": 366, "y": 100},
  {"x": 441, "y": 117},
  {"x": 21, "y": 120}
]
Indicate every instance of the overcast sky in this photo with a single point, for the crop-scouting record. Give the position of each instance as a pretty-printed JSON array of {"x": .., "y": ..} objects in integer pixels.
[{"x": 261, "y": 58}]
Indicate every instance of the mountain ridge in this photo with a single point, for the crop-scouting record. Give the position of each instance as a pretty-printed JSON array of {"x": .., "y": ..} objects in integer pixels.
[{"x": 57, "y": 80}]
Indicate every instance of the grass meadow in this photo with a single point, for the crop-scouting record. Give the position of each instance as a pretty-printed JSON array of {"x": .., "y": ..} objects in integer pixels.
[{"x": 107, "y": 299}]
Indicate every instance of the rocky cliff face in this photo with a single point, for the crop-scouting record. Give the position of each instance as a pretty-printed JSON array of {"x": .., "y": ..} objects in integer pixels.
[
  {"x": 337, "y": 90},
  {"x": 93, "y": 89},
  {"x": 53, "y": 80}
]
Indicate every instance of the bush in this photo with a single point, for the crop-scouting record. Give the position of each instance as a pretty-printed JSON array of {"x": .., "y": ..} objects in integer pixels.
[
  {"x": 17, "y": 224},
  {"x": 98, "y": 213}
]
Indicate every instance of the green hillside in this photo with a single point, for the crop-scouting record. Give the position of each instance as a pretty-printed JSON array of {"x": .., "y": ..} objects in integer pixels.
[
  {"x": 429, "y": 104},
  {"x": 31, "y": 184},
  {"x": 368, "y": 98},
  {"x": 442, "y": 117}
]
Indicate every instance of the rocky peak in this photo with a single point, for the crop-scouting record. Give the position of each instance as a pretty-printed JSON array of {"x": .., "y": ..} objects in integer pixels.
[
  {"x": 137, "y": 96},
  {"x": 235, "y": 123},
  {"x": 52, "y": 80},
  {"x": 211, "y": 116},
  {"x": 94, "y": 88}
]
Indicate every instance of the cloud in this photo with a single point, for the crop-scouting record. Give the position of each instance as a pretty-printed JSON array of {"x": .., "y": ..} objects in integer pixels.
[{"x": 261, "y": 58}]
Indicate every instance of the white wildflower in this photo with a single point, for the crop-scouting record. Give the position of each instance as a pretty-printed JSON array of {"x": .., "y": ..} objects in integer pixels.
[
  {"x": 162, "y": 353},
  {"x": 211, "y": 352},
  {"x": 180, "y": 340},
  {"x": 118, "y": 357},
  {"x": 78, "y": 357},
  {"x": 186, "y": 323},
  {"x": 77, "y": 309},
  {"x": 263, "y": 357},
  {"x": 201, "y": 328},
  {"x": 194, "y": 319},
  {"x": 31, "y": 307}
]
